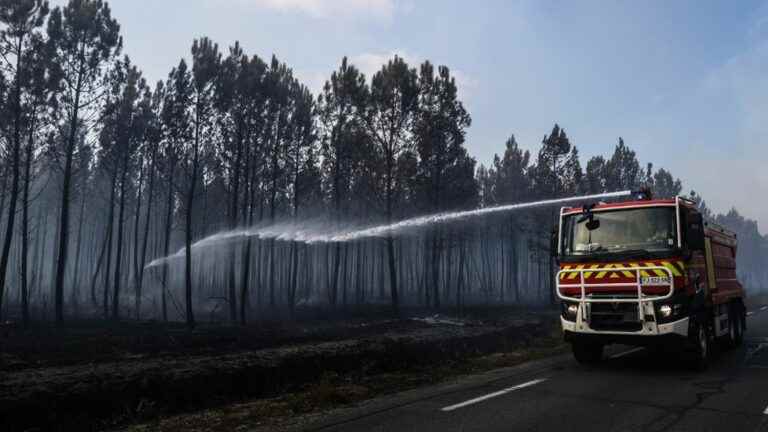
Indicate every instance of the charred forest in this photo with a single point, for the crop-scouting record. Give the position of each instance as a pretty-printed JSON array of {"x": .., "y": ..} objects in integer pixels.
[{"x": 102, "y": 172}]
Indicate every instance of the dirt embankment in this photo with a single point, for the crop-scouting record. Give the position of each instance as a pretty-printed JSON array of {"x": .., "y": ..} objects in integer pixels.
[{"x": 91, "y": 380}]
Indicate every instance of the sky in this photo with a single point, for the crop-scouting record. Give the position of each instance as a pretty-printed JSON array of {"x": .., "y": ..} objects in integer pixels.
[{"x": 685, "y": 83}]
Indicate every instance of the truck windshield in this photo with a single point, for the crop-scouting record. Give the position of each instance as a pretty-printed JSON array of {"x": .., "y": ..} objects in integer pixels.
[{"x": 650, "y": 229}]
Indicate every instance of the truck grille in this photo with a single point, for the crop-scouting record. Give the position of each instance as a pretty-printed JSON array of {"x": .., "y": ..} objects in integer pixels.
[{"x": 614, "y": 316}]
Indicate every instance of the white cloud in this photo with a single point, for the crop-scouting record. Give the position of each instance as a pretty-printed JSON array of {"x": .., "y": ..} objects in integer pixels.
[
  {"x": 466, "y": 83},
  {"x": 314, "y": 80},
  {"x": 332, "y": 8},
  {"x": 370, "y": 63}
]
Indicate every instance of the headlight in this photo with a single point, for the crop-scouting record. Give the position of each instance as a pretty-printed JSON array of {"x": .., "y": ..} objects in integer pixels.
[
  {"x": 572, "y": 310},
  {"x": 666, "y": 311}
]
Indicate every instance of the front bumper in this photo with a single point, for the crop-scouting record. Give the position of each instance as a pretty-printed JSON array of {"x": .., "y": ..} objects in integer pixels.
[
  {"x": 651, "y": 333},
  {"x": 619, "y": 312}
]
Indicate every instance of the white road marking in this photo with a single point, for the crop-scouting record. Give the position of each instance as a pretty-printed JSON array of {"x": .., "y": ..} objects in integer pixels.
[
  {"x": 492, "y": 395},
  {"x": 750, "y": 313},
  {"x": 765, "y": 411},
  {"x": 764, "y": 308},
  {"x": 751, "y": 353},
  {"x": 628, "y": 352}
]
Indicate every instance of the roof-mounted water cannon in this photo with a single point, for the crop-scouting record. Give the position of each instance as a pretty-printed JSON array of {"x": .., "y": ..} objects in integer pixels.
[{"x": 644, "y": 193}]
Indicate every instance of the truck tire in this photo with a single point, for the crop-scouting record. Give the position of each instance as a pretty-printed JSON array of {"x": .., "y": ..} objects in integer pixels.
[
  {"x": 739, "y": 318},
  {"x": 587, "y": 353},
  {"x": 734, "y": 324},
  {"x": 700, "y": 347}
]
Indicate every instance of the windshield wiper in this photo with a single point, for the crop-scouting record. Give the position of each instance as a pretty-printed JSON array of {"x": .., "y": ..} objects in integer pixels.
[
  {"x": 631, "y": 252},
  {"x": 605, "y": 253}
]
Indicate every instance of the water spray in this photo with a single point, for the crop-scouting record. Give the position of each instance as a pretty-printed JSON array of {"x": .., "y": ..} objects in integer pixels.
[
  {"x": 306, "y": 234},
  {"x": 383, "y": 230}
]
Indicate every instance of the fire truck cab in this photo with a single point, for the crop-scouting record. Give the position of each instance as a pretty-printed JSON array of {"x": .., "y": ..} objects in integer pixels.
[{"x": 647, "y": 272}]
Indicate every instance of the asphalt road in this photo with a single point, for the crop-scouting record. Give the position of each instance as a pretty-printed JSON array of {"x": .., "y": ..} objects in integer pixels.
[{"x": 633, "y": 390}]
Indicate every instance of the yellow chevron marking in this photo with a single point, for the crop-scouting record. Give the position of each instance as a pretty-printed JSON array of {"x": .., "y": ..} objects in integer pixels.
[
  {"x": 589, "y": 273},
  {"x": 643, "y": 273},
  {"x": 672, "y": 268},
  {"x": 573, "y": 275},
  {"x": 657, "y": 271},
  {"x": 626, "y": 273},
  {"x": 602, "y": 273}
]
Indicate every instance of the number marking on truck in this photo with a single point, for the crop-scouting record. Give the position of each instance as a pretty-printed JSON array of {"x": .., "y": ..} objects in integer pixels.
[{"x": 654, "y": 280}]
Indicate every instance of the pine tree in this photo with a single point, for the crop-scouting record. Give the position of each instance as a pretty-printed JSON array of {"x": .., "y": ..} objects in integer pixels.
[
  {"x": 512, "y": 180},
  {"x": 19, "y": 38},
  {"x": 548, "y": 175},
  {"x": 594, "y": 177},
  {"x": 389, "y": 119},
  {"x": 206, "y": 62},
  {"x": 125, "y": 121},
  {"x": 86, "y": 39},
  {"x": 444, "y": 176},
  {"x": 279, "y": 110},
  {"x": 573, "y": 176},
  {"x": 177, "y": 131},
  {"x": 339, "y": 109},
  {"x": 149, "y": 157},
  {"x": 240, "y": 102},
  {"x": 622, "y": 170},
  {"x": 666, "y": 186},
  {"x": 300, "y": 145}
]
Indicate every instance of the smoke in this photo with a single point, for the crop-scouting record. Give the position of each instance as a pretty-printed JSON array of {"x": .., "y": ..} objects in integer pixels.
[{"x": 314, "y": 232}]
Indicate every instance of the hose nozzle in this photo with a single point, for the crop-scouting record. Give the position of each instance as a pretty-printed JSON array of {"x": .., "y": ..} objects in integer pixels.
[{"x": 644, "y": 193}]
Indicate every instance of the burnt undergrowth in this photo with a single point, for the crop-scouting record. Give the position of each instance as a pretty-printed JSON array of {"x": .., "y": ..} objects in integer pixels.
[{"x": 90, "y": 377}]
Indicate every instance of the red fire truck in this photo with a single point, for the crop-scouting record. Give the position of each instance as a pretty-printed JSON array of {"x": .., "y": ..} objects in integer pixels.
[{"x": 647, "y": 272}]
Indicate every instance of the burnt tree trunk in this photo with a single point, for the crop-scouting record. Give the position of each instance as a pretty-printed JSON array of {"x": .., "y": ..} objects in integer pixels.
[
  {"x": 166, "y": 249},
  {"x": 66, "y": 192},
  {"x": 135, "y": 247},
  {"x": 143, "y": 253},
  {"x": 15, "y": 174},
  {"x": 25, "y": 229},
  {"x": 119, "y": 251},
  {"x": 110, "y": 229}
]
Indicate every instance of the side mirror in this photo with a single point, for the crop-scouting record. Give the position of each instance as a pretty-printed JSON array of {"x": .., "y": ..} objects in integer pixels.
[
  {"x": 593, "y": 224},
  {"x": 695, "y": 232},
  {"x": 553, "y": 243}
]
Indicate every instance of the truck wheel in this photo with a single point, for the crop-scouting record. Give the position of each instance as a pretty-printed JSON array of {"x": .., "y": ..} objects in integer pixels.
[
  {"x": 587, "y": 353},
  {"x": 701, "y": 345},
  {"x": 734, "y": 325},
  {"x": 738, "y": 324}
]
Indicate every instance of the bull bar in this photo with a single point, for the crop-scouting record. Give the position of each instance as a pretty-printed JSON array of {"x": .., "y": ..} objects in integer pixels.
[{"x": 585, "y": 299}]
